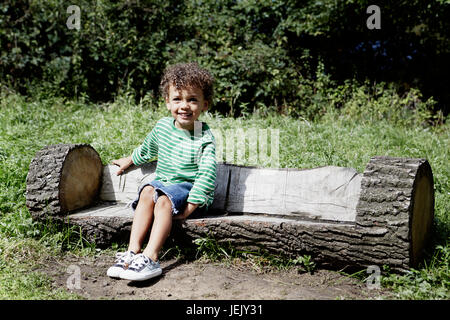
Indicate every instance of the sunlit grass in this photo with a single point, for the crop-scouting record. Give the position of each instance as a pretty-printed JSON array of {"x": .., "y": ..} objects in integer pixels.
[{"x": 114, "y": 129}]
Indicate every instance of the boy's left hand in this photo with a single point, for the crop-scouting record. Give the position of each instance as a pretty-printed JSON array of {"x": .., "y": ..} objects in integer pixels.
[{"x": 190, "y": 207}]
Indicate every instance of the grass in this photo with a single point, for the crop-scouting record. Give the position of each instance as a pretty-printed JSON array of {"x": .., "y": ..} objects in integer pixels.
[
  {"x": 114, "y": 129},
  {"x": 432, "y": 281},
  {"x": 18, "y": 259},
  {"x": 208, "y": 249}
]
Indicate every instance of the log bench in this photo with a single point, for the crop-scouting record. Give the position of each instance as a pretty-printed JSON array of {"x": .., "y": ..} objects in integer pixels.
[{"x": 340, "y": 217}]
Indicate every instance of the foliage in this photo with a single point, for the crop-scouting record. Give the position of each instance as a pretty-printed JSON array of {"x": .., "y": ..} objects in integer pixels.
[
  {"x": 209, "y": 248},
  {"x": 119, "y": 45},
  {"x": 283, "y": 55},
  {"x": 18, "y": 280},
  {"x": 305, "y": 262},
  {"x": 430, "y": 282}
]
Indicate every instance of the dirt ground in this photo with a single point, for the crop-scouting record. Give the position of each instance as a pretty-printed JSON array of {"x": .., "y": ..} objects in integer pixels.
[{"x": 203, "y": 280}]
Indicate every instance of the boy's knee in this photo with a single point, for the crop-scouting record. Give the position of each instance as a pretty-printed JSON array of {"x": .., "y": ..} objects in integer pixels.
[
  {"x": 147, "y": 193},
  {"x": 163, "y": 202}
]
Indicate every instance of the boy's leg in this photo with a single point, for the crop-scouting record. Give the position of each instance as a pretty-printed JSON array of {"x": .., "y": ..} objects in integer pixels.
[
  {"x": 162, "y": 225},
  {"x": 143, "y": 216}
]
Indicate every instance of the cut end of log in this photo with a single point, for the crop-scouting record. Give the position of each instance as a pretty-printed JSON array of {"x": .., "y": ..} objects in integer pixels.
[
  {"x": 80, "y": 179},
  {"x": 62, "y": 178},
  {"x": 422, "y": 212}
]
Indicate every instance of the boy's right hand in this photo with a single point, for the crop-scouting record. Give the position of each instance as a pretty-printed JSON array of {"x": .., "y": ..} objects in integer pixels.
[{"x": 123, "y": 163}]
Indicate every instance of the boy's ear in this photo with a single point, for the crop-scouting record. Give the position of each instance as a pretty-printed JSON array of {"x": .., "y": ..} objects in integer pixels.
[
  {"x": 206, "y": 105},
  {"x": 166, "y": 100}
]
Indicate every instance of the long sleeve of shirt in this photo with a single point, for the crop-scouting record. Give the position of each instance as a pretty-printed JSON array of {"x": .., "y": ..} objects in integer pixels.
[
  {"x": 148, "y": 150},
  {"x": 203, "y": 190}
]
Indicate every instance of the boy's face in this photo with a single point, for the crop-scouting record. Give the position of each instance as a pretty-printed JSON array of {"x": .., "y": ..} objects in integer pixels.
[{"x": 186, "y": 105}]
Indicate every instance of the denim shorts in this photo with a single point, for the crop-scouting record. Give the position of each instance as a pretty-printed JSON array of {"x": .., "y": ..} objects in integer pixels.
[{"x": 177, "y": 194}]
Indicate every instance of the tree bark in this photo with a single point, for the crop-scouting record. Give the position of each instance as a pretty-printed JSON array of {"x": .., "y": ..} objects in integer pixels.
[
  {"x": 389, "y": 224},
  {"x": 62, "y": 178},
  {"x": 398, "y": 193}
]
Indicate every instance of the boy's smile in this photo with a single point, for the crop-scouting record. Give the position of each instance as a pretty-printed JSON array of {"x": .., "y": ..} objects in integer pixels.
[{"x": 186, "y": 105}]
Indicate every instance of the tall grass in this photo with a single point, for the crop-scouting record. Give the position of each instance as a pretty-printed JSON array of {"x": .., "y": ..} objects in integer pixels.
[{"x": 341, "y": 137}]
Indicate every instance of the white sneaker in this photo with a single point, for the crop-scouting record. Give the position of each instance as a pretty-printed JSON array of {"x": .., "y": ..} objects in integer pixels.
[
  {"x": 141, "y": 268},
  {"x": 123, "y": 260}
]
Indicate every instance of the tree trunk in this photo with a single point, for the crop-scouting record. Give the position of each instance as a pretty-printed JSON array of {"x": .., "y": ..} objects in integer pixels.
[
  {"x": 339, "y": 217},
  {"x": 398, "y": 193},
  {"x": 63, "y": 178}
]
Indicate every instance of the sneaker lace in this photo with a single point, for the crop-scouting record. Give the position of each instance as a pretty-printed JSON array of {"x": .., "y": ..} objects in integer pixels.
[
  {"x": 140, "y": 261},
  {"x": 124, "y": 256},
  {"x": 119, "y": 255}
]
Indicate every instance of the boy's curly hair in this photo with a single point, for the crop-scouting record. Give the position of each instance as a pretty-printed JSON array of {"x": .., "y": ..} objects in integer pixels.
[{"x": 185, "y": 75}]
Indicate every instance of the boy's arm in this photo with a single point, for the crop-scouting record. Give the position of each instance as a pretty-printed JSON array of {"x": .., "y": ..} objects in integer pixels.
[
  {"x": 202, "y": 192},
  {"x": 148, "y": 150},
  {"x": 190, "y": 207}
]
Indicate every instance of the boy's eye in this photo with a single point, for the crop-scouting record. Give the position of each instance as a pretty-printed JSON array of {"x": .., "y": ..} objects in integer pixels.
[{"x": 193, "y": 99}]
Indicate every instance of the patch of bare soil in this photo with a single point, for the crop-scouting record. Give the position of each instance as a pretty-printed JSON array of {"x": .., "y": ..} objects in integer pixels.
[{"x": 197, "y": 280}]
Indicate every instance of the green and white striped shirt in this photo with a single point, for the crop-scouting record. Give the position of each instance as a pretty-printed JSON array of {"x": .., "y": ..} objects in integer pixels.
[{"x": 182, "y": 156}]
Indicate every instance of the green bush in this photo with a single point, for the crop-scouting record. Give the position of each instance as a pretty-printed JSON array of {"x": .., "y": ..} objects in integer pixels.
[
  {"x": 119, "y": 46},
  {"x": 285, "y": 56},
  {"x": 368, "y": 104}
]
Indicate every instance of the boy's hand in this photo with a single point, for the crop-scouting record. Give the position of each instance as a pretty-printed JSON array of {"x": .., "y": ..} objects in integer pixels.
[
  {"x": 190, "y": 207},
  {"x": 123, "y": 163}
]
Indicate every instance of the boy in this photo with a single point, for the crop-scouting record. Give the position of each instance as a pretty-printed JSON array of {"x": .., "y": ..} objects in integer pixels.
[{"x": 185, "y": 172}]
